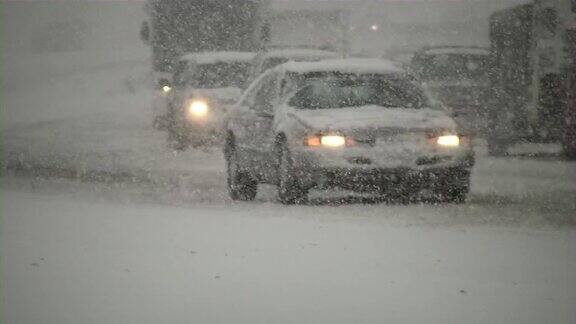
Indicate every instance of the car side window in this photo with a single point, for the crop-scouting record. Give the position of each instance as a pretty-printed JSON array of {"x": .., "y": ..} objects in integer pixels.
[{"x": 266, "y": 95}]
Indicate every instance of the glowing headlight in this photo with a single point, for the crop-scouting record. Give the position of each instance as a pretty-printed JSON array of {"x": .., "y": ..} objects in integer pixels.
[
  {"x": 166, "y": 89},
  {"x": 448, "y": 140},
  {"x": 326, "y": 140},
  {"x": 333, "y": 140},
  {"x": 198, "y": 108}
]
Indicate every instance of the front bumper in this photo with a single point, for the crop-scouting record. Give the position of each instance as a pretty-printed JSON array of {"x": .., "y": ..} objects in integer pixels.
[
  {"x": 381, "y": 180},
  {"x": 343, "y": 172}
]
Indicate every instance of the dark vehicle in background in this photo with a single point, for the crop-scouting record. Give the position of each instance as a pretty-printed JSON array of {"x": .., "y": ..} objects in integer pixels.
[
  {"x": 176, "y": 27},
  {"x": 458, "y": 77},
  {"x": 570, "y": 133},
  {"x": 533, "y": 56},
  {"x": 204, "y": 86},
  {"x": 273, "y": 57},
  {"x": 356, "y": 124}
]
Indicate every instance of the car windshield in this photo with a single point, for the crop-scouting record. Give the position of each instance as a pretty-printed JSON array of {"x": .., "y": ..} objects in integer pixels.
[
  {"x": 452, "y": 66},
  {"x": 220, "y": 75},
  {"x": 336, "y": 90}
]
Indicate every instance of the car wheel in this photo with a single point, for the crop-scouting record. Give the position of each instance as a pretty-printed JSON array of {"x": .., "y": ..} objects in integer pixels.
[
  {"x": 453, "y": 187},
  {"x": 290, "y": 190},
  {"x": 240, "y": 185}
]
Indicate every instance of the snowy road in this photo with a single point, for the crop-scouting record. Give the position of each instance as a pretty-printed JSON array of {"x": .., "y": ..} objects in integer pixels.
[
  {"x": 71, "y": 261},
  {"x": 103, "y": 223}
]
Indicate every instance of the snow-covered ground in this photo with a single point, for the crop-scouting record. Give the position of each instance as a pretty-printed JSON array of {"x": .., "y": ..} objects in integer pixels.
[
  {"x": 103, "y": 223},
  {"x": 72, "y": 261}
]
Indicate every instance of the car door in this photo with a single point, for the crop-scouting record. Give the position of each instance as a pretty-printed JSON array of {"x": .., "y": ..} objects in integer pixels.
[
  {"x": 240, "y": 124},
  {"x": 264, "y": 108},
  {"x": 259, "y": 124}
]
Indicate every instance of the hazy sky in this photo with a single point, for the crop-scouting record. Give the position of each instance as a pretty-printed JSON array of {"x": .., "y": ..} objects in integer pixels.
[{"x": 113, "y": 24}]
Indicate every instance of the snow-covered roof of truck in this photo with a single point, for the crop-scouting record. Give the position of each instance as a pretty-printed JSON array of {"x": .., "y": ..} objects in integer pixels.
[
  {"x": 218, "y": 57},
  {"x": 295, "y": 53},
  {"x": 457, "y": 50},
  {"x": 355, "y": 66}
]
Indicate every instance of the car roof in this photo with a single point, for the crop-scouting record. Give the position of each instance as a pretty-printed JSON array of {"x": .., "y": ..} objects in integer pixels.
[
  {"x": 456, "y": 50},
  {"x": 295, "y": 53},
  {"x": 354, "y": 66},
  {"x": 218, "y": 57}
]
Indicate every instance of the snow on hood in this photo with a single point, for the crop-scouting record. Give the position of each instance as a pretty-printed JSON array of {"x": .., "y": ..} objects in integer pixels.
[
  {"x": 374, "y": 117},
  {"x": 226, "y": 96}
]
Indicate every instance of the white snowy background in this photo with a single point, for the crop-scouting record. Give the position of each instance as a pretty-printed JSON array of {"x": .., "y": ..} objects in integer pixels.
[{"x": 133, "y": 232}]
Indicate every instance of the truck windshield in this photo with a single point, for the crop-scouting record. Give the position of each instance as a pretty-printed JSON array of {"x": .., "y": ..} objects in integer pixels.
[
  {"x": 220, "y": 75},
  {"x": 330, "y": 91},
  {"x": 452, "y": 66}
]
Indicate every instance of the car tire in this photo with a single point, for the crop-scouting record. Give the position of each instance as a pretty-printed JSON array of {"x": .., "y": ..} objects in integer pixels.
[
  {"x": 453, "y": 187},
  {"x": 240, "y": 185},
  {"x": 290, "y": 191}
]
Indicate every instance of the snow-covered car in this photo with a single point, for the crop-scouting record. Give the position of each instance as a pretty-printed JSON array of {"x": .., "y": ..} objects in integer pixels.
[
  {"x": 205, "y": 85},
  {"x": 274, "y": 57},
  {"x": 361, "y": 125}
]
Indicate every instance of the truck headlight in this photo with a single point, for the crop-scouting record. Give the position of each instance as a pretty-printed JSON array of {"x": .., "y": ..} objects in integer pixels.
[
  {"x": 448, "y": 140},
  {"x": 166, "y": 89},
  {"x": 198, "y": 108}
]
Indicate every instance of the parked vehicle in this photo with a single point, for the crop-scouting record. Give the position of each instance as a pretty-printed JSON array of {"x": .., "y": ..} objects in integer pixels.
[
  {"x": 533, "y": 55},
  {"x": 205, "y": 85},
  {"x": 457, "y": 76},
  {"x": 355, "y": 124},
  {"x": 271, "y": 58}
]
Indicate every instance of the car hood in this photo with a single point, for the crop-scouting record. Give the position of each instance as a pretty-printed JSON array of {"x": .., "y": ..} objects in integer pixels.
[
  {"x": 374, "y": 117},
  {"x": 226, "y": 96}
]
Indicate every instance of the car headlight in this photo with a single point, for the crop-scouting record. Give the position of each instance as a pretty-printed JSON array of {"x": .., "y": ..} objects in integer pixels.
[
  {"x": 198, "y": 108},
  {"x": 327, "y": 141},
  {"x": 166, "y": 89},
  {"x": 448, "y": 140}
]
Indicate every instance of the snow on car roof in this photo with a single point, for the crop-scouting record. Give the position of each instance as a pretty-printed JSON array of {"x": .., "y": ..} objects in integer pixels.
[
  {"x": 458, "y": 50},
  {"x": 356, "y": 66},
  {"x": 300, "y": 52},
  {"x": 216, "y": 57}
]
